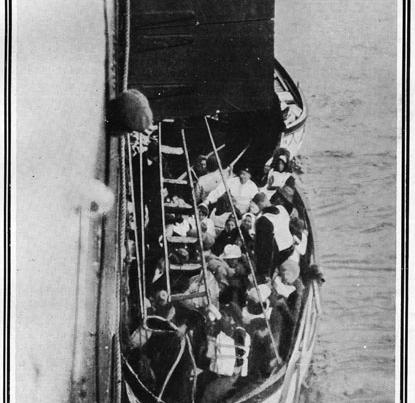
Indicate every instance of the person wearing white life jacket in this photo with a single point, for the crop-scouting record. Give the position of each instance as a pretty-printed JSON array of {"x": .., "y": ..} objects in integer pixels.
[
  {"x": 285, "y": 197},
  {"x": 273, "y": 242},
  {"x": 253, "y": 311},
  {"x": 277, "y": 176},
  {"x": 228, "y": 351}
]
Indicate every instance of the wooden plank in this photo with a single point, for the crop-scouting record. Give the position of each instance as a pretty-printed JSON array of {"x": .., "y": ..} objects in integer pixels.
[
  {"x": 186, "y": 266},
  {"x": 184, "y": 297},
  {"x": 181, "y": 239},
  {"x": 175, "y": 181}
]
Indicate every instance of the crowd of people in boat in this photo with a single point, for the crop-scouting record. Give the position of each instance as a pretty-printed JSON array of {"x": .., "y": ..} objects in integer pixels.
[{"x": 253, "y": 254}]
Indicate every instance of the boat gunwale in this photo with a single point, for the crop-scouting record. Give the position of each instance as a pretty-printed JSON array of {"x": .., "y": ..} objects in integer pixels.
[{"x": 298, "y": 96}]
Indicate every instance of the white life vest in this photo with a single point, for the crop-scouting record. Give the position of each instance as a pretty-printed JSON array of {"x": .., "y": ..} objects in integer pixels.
[
  {"x": 222, "y": 353},
  {"x": 247, "y": 317},
  {"x": 278, "y": 178},
  {"x": 285, "y": 290},
  {"x": 281, "y": 223},
  {"x": 246, "y": 347}
]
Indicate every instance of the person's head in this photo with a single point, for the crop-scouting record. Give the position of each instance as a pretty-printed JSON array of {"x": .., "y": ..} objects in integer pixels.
[
  {"x": 161, "y": 298},
  {"x": 220, "y": 271},
  {"x": 289, "y": 271},
  {"x": 200, "y": 165},
  {"x": 281, "y": 155},
  {"x": 230, "y": 224},
  {"x": 231, "y": 254},
  {"x": 203, "y": 211},
  {"x": 211, "y": 164},
  {"x": 284, "y": 196},
  {"x": 297, "y": 227},
  {"x": 281, "y": 163},
  {"x": 228, "y": 323},
  {"x": 244, "y": 175},
  {"x": 248, "y": 221},
  {"x": 261, "y": 201},
  {"x": 267, "y": 168},
  {"x": 238, "y": 241}
]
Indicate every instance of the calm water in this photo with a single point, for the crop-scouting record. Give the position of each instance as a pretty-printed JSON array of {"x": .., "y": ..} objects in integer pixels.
[{"x": 343, "y": 54}]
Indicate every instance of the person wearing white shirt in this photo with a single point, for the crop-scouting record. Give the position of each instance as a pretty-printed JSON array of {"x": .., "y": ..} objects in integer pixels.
[
  {"x": 212, "y": 179},
  {"x": 206, "y": 224},
  {"x": 241, "y": 188}
]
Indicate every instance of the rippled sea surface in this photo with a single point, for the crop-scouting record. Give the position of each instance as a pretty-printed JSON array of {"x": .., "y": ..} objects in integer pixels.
[{"x": 344, "y": 55}]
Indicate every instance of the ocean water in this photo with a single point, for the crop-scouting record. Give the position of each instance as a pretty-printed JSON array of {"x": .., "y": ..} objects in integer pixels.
[{"x": 343, "y": 53}]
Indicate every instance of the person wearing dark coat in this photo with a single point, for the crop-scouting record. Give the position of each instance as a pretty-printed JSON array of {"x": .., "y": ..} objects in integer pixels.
[
  {"x": 247, "y": 225},
  {"x": 273, "y": 241},
  {"x": 227, "y": 236}
]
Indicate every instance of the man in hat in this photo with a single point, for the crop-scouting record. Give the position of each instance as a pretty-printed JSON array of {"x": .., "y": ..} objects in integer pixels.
[
  {"x": 238, "y": 275},
  {"x": 241, "y": 188}
]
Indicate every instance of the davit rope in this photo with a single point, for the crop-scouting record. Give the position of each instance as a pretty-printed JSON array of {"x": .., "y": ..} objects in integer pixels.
[{"x": 123, "y": 218}]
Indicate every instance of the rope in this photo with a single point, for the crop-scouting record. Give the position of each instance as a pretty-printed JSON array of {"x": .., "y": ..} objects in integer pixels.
[
  {"x": 123, "y": 219},
  {"x": 127, "y": 46},
  {"x": 140, "y": 382},
  {"x": 192, "y": 357},
  {"x": 146, "y": 327},
  {"x": 173, "y": 367},
  {"x": 118, "y": 368},
  {"x": 142, "y": 225},
  {"x": 251, "y": 268},
  {"x": 184, "y": 342},
  {"x": 121, "y": 247}
]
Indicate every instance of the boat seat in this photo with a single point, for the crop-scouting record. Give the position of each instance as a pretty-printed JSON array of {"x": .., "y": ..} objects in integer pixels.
[
  {"x": 186, "y": 266},
  {"x": 193, "y": 295},
  {"x": 171, "y": 150},
  {"x": 171, "y": 181},
  {"x": 178, "y": 209},
  {"x": 286, "y": 96},
  {"x": 181, "y": 239}
]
